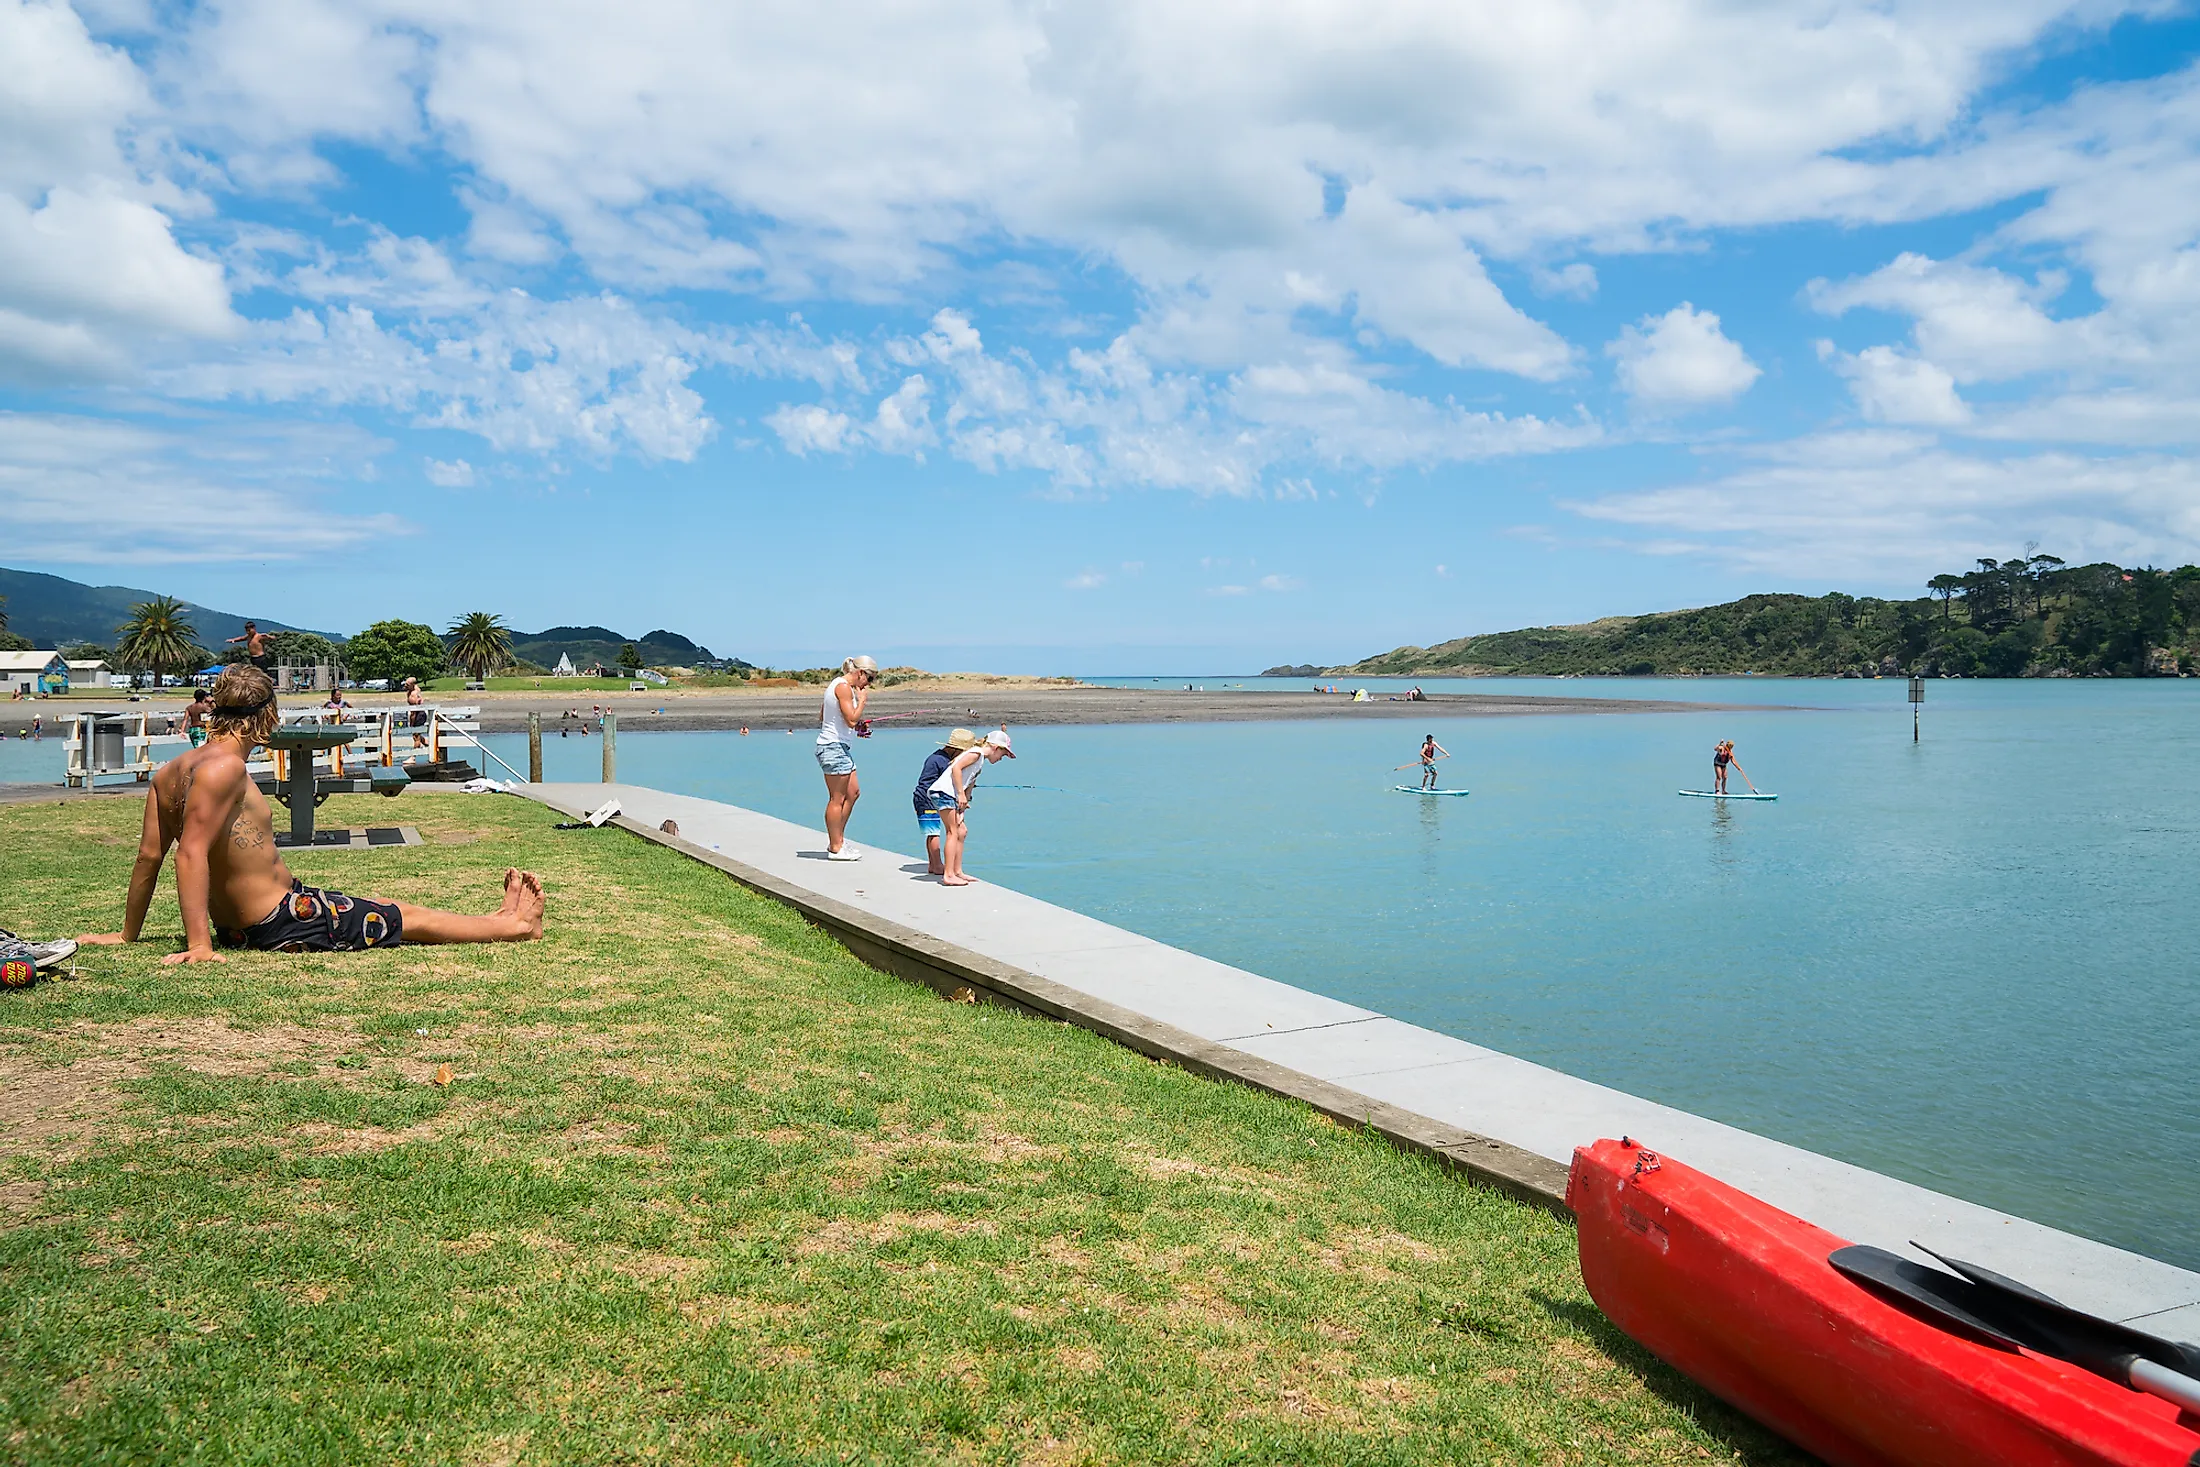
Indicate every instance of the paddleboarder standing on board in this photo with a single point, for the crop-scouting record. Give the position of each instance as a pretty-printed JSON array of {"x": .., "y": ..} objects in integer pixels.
[
  {"x": 1431, "y": 751},
  {"x": 1722, "y": 755}
]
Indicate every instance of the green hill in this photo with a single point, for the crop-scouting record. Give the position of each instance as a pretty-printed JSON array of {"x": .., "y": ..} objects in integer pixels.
[
  {"x": 50, "y": 611},
  {"x": 2029, "y": 617},
  {"x": 599, "y": 647}
]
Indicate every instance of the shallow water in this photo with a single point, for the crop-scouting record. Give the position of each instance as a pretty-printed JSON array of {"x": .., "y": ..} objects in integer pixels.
[{"x": 1968, "y": 962}]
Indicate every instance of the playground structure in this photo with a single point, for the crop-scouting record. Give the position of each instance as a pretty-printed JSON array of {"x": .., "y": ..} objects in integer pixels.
[{"x": 121, "y": 745}]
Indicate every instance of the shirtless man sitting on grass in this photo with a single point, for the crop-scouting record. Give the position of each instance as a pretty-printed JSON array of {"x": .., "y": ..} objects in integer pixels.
[{"x": 230, "y": 880}]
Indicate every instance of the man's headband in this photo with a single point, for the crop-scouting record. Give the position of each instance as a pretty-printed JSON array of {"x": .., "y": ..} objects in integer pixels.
[{"x": 243, "y": 710}]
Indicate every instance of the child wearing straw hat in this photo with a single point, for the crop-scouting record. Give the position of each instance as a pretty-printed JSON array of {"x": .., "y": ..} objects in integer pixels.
[
  {"x": 951, "y": 798},
  {"x": 928, "y": 818}
]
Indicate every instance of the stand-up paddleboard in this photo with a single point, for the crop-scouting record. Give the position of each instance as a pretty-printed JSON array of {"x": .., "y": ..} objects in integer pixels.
[
  {"x": 1414, "y": 789},
  {"x": 1715, "y": 795}
]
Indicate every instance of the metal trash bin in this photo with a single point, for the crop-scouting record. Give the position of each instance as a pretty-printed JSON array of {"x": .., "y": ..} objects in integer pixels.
[{"x": 107, "y": 749}]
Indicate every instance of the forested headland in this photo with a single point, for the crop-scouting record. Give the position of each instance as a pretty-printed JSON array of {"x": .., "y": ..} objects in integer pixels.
[{"x": 2033, "y": 616}]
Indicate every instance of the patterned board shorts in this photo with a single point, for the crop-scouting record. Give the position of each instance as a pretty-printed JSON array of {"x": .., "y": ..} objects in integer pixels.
[{"x": 311, "y": 920}]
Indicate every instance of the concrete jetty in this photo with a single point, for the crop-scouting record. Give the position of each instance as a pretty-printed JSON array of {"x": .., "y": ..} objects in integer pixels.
[{"x": 1511, "y": 1122}]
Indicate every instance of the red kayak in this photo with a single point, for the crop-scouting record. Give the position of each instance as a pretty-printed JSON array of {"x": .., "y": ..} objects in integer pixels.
[{"x": 1738, "y": 1295}]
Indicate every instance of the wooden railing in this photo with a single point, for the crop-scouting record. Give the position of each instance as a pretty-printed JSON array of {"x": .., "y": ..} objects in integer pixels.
[{"x": 387, "y": 736}]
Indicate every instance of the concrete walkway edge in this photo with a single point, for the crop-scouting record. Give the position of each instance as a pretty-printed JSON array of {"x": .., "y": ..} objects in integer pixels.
[{"x": 946, "y": 968}]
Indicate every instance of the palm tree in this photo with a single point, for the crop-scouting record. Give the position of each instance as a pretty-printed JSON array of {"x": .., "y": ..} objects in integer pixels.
[
  {"x": 480, "y": 642},
  {"x": 158, "y": 638}
]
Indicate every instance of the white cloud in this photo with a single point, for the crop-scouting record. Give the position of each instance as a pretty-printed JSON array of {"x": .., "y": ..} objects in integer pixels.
[
  {"x": 1229, "y": 590},
  {"x": 779, "y": 148},
  {"x": 1112, "y": 417},
  {"x": 1880, "y": 503},
  {"x": 1090, "y": 580},
  {"x": 594, "y": 375},
  {"x": 1681, "y": 360},
  {"x": 111, "y": 492},
  {"x": 90, "y": 268},
  {"x": 1281, "y": 583},
  {"x": 1981, "y": 324},
  {"x": 1313, "y": 212},
  {"x": 455, "y": 474},
  {"x": 1577, "y": 281},
  {"x": 1894, "y": 387}
]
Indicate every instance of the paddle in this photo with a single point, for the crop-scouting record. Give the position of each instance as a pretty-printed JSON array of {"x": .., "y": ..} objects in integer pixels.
[
  {"x": 1743, "y": 773},
  {"x": 1416, "y": 764},
  {"x": 2101, "y": 1345},
  {"x": 1985, "y": 1305}
]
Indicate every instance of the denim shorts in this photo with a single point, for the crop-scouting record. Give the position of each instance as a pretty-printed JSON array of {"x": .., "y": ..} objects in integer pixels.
[{"x": 836, "y": 758}]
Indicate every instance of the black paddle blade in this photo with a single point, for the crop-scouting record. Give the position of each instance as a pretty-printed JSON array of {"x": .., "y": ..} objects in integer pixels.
[
  {"x": 1946, "y": 1300},
  {"x": 2105, "y": 1337}
]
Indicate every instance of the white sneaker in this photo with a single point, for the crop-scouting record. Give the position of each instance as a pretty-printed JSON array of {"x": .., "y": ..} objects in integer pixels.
[{"x": 845, "y": 853}]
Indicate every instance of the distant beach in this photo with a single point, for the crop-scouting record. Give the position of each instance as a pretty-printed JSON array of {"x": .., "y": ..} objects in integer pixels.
[
  {"x": 965, "y": 700},
  {"x": 1027, "y": 703}
]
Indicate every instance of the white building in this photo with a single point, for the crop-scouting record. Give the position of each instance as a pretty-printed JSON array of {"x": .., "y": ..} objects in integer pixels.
[
  {"x": 33, "y": 672},
  {"x": 93, "y": 674}
]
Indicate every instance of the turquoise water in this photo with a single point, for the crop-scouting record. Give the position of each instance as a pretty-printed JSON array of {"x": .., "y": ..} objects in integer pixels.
[{"x": 1968, "y": 962}]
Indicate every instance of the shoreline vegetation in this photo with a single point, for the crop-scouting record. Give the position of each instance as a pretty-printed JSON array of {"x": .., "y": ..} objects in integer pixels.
[
  {"x": 2033, "y": 616},
  {"x": 686, "y": 1181}
]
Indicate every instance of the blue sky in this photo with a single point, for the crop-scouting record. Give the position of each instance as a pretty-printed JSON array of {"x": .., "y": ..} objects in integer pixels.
[{"x": 1082, "y": 338}]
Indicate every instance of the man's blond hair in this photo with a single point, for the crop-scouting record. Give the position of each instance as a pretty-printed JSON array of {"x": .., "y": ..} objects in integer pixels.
[{"x": 244, "y": 705}]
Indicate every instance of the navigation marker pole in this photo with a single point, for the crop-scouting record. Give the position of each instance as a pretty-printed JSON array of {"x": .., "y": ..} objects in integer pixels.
[{"x": 1917, "y": 696}]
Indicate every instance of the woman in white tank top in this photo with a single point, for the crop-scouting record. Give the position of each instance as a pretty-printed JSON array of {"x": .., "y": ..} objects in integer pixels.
[{"x": 840, "y": 724}]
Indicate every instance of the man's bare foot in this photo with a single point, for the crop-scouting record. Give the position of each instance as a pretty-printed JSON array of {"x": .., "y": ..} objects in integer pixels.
[
  {"x": 531, "y": 902},
  {"x": 511, "y": 890},
  {"x": 957, "y": 881}
]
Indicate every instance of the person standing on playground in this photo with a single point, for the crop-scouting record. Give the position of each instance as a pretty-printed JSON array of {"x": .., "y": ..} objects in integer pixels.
[
  {"x": 841, "y": 723},
  {"x": 255, "y": 647},
  {"x": 416, "y": 715}
]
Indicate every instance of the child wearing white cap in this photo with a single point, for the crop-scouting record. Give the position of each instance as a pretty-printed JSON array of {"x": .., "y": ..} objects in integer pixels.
[{"x": 951, "y": 798}]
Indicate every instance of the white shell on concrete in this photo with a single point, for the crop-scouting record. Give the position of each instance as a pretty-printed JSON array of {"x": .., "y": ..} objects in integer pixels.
[{"x": 1435, "y": 1075}]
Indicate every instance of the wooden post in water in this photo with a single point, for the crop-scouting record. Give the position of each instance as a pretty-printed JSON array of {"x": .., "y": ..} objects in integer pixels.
[
  {"x": 611, "y": 748},
  {"x": 1917, "y": 696},
  {"x": 534, "y": 748}
]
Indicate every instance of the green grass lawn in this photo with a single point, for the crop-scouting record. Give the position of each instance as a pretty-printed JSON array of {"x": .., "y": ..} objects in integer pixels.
[{"x": 704, "y": 1188}]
